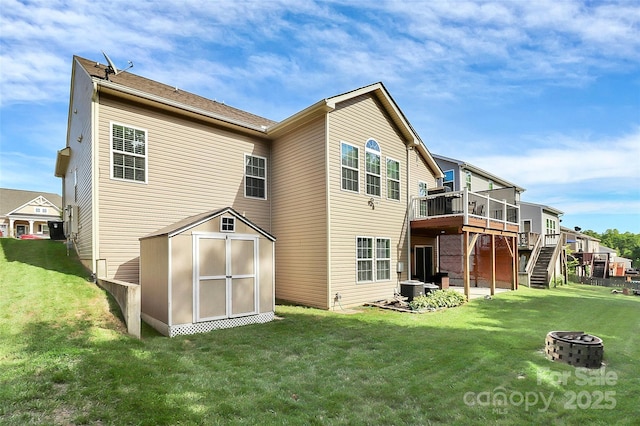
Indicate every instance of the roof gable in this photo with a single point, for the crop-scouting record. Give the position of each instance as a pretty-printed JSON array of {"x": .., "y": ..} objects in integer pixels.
[
  {"x": 12, "y": 200},
  {"x": 193, "y": 221}
]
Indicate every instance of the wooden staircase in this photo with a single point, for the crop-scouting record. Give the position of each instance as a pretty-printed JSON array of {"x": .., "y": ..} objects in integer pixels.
[{"x": 539, "y": 276}]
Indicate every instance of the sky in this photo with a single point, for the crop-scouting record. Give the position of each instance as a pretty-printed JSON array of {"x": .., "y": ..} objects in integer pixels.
[{"x": 545, "y": 93}]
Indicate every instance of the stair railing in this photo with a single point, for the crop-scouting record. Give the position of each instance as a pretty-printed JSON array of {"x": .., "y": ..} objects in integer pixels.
[
  {"x": 533, "y": 259},
  {"x": 554, "y": 258}
]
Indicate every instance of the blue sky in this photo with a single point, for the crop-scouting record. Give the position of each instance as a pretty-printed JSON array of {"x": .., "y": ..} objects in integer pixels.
[{"x": 545, "y": 94}]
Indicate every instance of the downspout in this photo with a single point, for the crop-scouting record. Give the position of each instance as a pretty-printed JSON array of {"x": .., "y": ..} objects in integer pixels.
[
  {"x": 95, "y": 176},
  {"x": 327, "y": 184},
  {"x": 409, "y": 148}
]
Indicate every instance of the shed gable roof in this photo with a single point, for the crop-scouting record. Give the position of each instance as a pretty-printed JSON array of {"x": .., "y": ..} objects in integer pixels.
[{"x": 193, "y": 221}]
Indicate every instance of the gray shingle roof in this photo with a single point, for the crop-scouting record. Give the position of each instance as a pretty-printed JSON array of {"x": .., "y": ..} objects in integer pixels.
[
  {"x": 155, "y": 88},
  {"x": 11, "y": 199}
]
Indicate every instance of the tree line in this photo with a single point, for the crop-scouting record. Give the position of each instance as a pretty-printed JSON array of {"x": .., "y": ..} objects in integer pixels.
[{"x": 626, "y": 244}]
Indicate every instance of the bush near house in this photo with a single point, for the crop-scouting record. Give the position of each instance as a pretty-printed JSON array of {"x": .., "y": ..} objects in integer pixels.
[{"x": 437, "y": 299}]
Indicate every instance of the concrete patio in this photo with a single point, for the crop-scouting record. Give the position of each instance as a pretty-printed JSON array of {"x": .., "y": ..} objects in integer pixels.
[{"x": 477, "y": 292}]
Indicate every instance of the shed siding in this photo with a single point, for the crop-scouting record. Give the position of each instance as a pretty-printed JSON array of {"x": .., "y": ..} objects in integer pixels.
[
  {"x": 299, "y": 215},
  {"x": 154, "y": 297},
  {"x": 192, "y": 167},
  {"x": 181, "y": 279},
  {"x": 354, "y": 122},
  {"x": 80, "y": 161}
]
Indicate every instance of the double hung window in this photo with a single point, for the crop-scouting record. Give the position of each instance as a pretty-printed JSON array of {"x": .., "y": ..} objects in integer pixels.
[
  {"x": 128, "y": 153},
  {"x": 350, "y": 167},
  {"x": 255, "y": 177},
  {"x": 373, "y": 258},
  {"x": 372, "y": 153},
  {"x": 393, "y": 179},
  {"x": 448, "y": 180}
]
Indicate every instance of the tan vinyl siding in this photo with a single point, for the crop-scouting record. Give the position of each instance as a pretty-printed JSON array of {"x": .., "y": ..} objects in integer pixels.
[
  {"x": 81, "y": 154},
  {"x": 420, "y": 172},
  {"x": 299, "y": 215},
  {"x": 192, "y": 168},
  {"x": 181, "y": 279},
  {"x": 354, "y": 122}
]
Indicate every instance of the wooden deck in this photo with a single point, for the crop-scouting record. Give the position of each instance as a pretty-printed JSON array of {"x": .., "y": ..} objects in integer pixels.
[{"x": 455, "y": 224}]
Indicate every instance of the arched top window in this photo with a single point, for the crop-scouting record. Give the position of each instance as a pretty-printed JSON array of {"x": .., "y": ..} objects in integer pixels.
[{"x": 373, "y": 145}]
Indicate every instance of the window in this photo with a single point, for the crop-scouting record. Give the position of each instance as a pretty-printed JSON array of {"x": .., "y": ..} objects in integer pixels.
[
  {"x": 255, "y": 178},
  {"x": 383, "y": 259},
  {"x": 372, "y": 161},
  {"x": 43, "y": 229},
  {"x": 448, "y": 180},
  {"x": 468, "y": 180},
  {"x": 350, "y": 167},
  {"x": 423, "y": 191},
  {"x": 42, "y": 210},
  {"x": 490, "y": 185},
  {"x": 128, "y": 153},
  {"x": 367, "y": 256},
  {"x": 551, "y": 227},
  {"x": 393, "y": 179},
  {"x": 228, "y": 224}
]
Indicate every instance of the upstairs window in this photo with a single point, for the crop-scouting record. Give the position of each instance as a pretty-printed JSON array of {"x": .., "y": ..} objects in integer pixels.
[
  {"x": 468, "y": 180},
  {"x": 448, "y": 180},
  {"x": 128, "y": 153},
  {"x": 393, "y": 179},
  {"x": 372, "y": 162},
  {"x": 255, "y": 178},
  {"x": 423, "y": 191},
  {"x": 350, "y": 167}
]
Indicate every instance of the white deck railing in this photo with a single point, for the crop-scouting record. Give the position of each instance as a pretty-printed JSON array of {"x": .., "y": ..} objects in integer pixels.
[{"x": 466, "y": 204}]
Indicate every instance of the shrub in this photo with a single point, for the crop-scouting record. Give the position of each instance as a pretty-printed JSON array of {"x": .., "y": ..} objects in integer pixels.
[{"x": 437, "y": 299}]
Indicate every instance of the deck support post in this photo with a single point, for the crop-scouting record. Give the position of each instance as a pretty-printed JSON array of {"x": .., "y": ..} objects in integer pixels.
[
  {"x": 467, "y": 265},
  {"x": 493, "y": 264}
]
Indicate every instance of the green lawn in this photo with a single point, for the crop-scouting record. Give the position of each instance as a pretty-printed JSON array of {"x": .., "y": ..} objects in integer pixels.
[{"x": 64, "y": 359}]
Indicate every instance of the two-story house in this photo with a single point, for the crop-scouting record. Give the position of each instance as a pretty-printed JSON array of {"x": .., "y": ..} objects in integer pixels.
[{"x": 332, "y": 183}]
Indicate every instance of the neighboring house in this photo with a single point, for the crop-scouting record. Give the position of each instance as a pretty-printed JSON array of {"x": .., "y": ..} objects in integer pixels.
[
  {"x": 489, "y": 198},
  {"x": 591, "y": 258},
  {"x": 27, "y": 212},
  {"x": 334, "y": 183},
  {"x": 541, "y": 245}
]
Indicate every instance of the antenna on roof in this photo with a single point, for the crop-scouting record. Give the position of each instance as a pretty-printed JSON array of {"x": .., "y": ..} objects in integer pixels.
[{"x": 111, "y": 67}]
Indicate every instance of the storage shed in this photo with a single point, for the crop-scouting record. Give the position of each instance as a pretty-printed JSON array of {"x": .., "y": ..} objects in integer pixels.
[{"x": 209, "y": 271}]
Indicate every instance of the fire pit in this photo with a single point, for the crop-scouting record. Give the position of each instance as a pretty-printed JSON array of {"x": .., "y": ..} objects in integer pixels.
[{"x": 574, "y": 348}]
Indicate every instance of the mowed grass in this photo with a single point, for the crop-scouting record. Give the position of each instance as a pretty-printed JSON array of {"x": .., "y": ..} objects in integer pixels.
[{"x": 65, "y": 359}]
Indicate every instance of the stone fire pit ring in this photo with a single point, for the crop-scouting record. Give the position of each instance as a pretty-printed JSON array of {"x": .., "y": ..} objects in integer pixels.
[{"x": 574, "y": 348}]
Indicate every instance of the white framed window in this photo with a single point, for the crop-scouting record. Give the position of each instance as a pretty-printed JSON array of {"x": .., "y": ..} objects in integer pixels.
[
  {"x": 423, "y": 191},
  {"x": 128, "y": 153},
  {"x": 372, "y": 166},
  {"x": 468, "y": 180},
  {"x": 373, "y": 259},
  {"x": 383, "y": 259},
  {"x": 364, "y": 255},
  {"x": 490, "y": 185},
  {"x": 393, "y": 179},
  {"x": 448, "y": 181},
  {"x": 350, "y": 167},
  {"x": 228, "y": 224},
  {"x": 43, "y": 229},
  {"x": 42, "y": 210},
  {"x": 255, "y": 177}
]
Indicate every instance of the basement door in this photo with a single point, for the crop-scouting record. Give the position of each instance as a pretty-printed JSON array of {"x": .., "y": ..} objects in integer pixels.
[{"x": 225, "y": 276}]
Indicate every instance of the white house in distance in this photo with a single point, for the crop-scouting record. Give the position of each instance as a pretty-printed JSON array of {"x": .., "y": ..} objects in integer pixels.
[{"x": 27, "y": 212}]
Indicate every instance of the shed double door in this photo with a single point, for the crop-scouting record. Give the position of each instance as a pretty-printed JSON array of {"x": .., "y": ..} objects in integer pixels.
[{"x": 225, "y": 276}]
